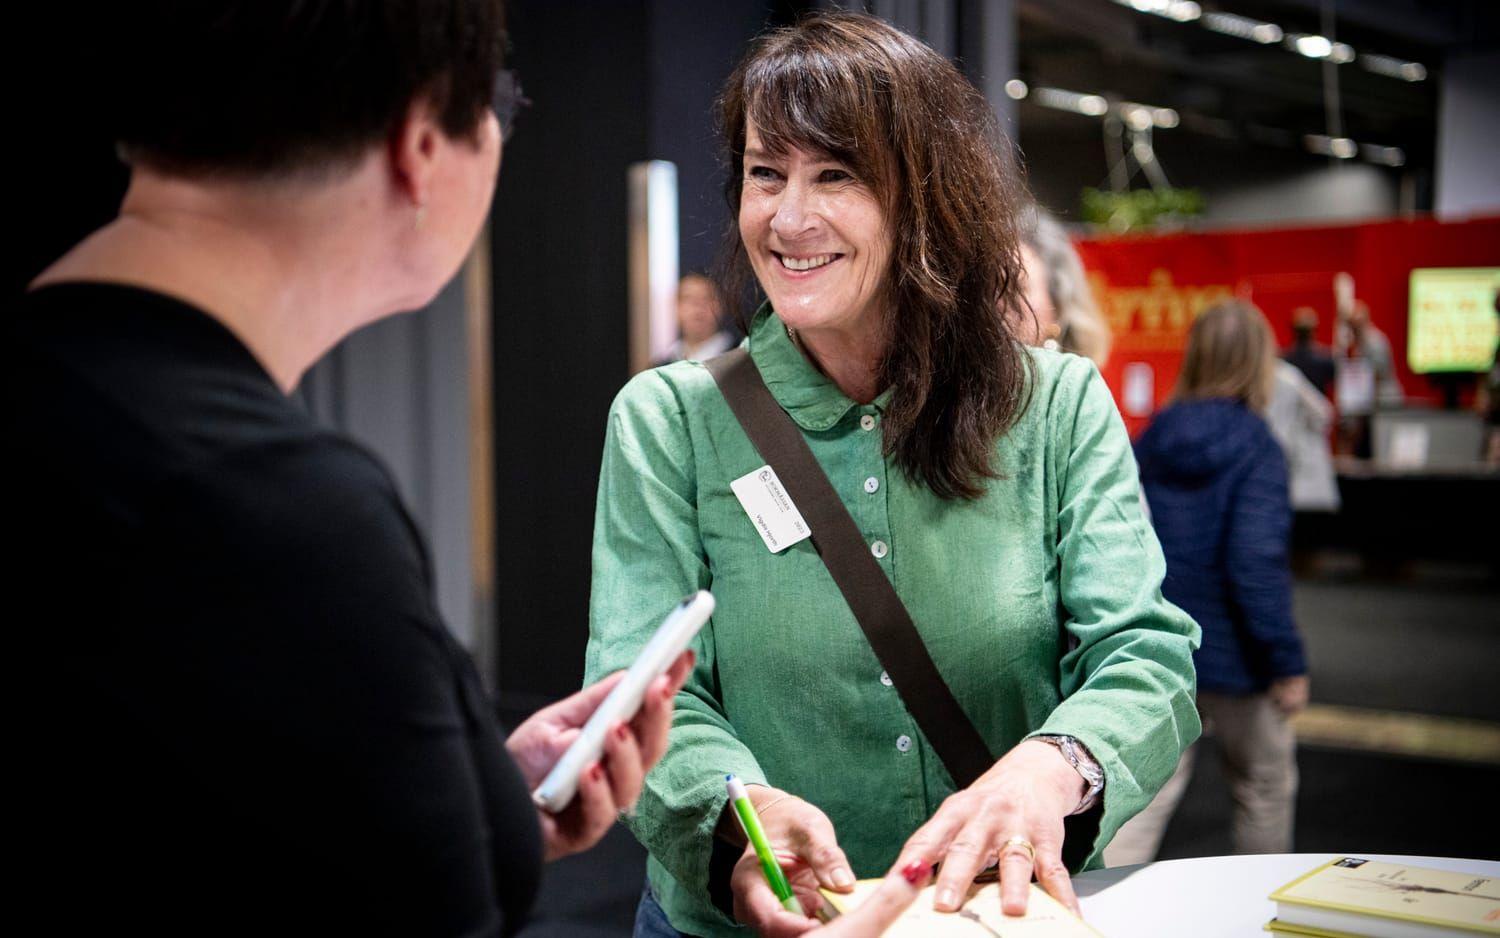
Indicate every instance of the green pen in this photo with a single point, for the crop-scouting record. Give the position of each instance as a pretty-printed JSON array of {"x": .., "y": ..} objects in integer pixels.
[{"x": 750, "y": 824}]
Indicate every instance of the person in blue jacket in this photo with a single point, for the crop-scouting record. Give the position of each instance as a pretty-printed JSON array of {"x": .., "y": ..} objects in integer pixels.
[{"x": 1216, "y": 481}]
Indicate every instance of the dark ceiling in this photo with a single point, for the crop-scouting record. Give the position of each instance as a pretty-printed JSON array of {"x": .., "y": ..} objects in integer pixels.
[{"x": 1266, "y": 96}]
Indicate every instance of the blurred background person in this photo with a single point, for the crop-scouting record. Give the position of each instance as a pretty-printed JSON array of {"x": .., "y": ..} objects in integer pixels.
[
  {"x": 1365, "y": 378},
  {"x": 700, "y": 321},
  {"x": 1300, "y": 418},
  {"x": 1057, "y": 289},
  {"x": 1309, "y": 356},
  {"x": 1358, "y": 337},
  {"x": 1217, "y": 484}
]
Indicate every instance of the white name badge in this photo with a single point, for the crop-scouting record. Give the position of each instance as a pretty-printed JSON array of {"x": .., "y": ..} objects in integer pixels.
[{"x": 770, "y": 508}]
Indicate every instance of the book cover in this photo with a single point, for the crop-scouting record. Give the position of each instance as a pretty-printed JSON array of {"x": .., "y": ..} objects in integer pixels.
[
  {"x": 1352, "y": 894},
  {"x": 979, "y": 915}
]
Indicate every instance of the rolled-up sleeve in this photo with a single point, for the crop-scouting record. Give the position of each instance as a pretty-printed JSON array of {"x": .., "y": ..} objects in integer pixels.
[{"x": 1127, "y": 677}]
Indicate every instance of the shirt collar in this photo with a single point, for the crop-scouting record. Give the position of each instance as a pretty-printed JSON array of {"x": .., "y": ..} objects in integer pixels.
[{"x": 808, "y": 396}]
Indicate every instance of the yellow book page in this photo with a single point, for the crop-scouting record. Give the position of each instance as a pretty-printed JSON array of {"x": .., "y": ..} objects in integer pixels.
[
  {"x": 1400, "y": 891},
  {"x": 980, "y": 915}
]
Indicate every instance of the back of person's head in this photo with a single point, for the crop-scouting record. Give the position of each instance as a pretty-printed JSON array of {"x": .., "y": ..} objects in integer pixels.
[
  {"x": 1082, "y": 325},
  {"x": 257, "y": 88},
  {"x": 1231, "y": 353}
]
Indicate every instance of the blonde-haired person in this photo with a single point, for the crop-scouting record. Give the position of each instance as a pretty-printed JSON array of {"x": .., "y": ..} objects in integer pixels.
[
  {"x": 1217, "y": 483},
  {"x": 1057, "y": 290}
]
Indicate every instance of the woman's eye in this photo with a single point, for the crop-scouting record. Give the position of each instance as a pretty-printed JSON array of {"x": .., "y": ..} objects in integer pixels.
[
  {"x": 834, "y": 175},
  {"x": 762, "y": 173}
]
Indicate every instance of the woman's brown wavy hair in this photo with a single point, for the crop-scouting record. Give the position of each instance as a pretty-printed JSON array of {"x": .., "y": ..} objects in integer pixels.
[{"x": 908, "y": 125}]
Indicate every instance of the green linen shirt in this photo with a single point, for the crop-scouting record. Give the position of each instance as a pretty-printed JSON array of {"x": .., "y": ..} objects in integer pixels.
[{"x": 788, "y": 693}]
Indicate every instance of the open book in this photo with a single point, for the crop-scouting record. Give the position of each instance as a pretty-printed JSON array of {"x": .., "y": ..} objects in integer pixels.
[{"x": 979, "y": 916}]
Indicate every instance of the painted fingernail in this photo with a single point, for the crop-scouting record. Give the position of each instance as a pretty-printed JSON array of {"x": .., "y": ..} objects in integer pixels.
[
  {"x": 842, "y": 877},
  {"x": 621, "y": 732},
  {"x": 947, "y": 898},
  {"x": 597, "y": 772},
  {"x": 916, "y": 871}
]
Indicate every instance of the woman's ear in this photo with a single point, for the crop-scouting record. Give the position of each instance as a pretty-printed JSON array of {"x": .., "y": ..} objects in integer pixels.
[{"x": 415, "y": 144}]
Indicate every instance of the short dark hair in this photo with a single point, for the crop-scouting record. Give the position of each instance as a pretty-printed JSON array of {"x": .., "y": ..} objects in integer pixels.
[
  {"x": 271, "y": 87},
  {"x": 911, "y": 127}
]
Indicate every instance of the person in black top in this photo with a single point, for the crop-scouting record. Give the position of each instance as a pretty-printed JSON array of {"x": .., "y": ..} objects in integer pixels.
[
  {"x": 238, "y": 709},
  {"x": 242, "y": 711},
  {"x": 1315, "y": 361}
]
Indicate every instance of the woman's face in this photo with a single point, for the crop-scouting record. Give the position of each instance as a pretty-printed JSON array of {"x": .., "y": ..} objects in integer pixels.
[{"x": 816, "y": 237}]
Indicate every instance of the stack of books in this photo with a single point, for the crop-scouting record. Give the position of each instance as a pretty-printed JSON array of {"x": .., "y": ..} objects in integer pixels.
[{"x": 1350, "y": 898}]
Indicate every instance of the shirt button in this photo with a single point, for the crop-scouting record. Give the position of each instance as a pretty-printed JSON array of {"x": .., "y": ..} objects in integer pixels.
[
  {"x": 867, "y": 422},
  {"x": 879, "y": 549},
  {"x": 903, "y": 743},
  {"x": 872, "y": 484},
  {"x": 886, "y": 679}
]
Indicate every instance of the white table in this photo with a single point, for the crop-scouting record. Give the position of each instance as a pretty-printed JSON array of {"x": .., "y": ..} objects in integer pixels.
[{"x": 1211, "y": 897}]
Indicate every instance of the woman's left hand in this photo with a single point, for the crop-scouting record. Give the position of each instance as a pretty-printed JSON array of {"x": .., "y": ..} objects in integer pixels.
[{"x": 1020, "y": 801}]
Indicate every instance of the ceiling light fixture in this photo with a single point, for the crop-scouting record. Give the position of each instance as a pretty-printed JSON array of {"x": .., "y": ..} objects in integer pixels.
[
  {"x": 1385, "y": 156},
  {"x": 1242, "y": 27},
  {"x": 1016, "y": 89},
  {"x": 1338, "y": 147},
  {"x": 1392, "y": 67},
  {"x": 1092, "y": 105},
  {"x": 1183, "y": 11},
  {"x": 1320, "y": 47}
]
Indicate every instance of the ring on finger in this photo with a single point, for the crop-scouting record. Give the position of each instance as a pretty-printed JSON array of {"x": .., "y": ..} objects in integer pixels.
[{"x": 1021, "y": 843}]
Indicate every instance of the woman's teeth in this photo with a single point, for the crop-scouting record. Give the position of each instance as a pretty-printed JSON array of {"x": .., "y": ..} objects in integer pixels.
[{"x": 806, "y": 263}]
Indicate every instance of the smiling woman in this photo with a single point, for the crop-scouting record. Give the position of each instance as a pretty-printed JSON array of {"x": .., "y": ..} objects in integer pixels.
[
  {"x": 834, "y": 159},
  {"x": 876, "y": 206}
]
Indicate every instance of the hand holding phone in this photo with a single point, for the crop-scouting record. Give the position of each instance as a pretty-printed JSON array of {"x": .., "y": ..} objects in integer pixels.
[{"x": 671, "y": 638}]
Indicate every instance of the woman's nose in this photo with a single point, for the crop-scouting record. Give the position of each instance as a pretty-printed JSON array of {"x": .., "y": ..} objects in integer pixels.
[{"x": 793, "y": 215}]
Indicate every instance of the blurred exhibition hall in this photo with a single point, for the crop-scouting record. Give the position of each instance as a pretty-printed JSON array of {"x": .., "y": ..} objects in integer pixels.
[{"x": 1335, "y": 163}]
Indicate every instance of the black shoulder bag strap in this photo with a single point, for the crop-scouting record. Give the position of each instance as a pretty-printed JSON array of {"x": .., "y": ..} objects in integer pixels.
[{"x": 883, "y": 617}]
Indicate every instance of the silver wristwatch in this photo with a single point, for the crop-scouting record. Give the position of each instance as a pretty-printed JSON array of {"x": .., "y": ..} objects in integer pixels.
[{"x": 1083, "y": 763}]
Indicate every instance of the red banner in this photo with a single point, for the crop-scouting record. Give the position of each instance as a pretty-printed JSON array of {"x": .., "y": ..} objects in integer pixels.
[{"x": 1151, "y": 288}]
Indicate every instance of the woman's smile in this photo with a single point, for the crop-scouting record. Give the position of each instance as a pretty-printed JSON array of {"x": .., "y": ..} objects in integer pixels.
[{"x": 805, "y": 265}]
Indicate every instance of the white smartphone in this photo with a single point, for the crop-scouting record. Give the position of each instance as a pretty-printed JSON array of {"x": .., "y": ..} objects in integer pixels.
[{"x": 671, "y": 639}]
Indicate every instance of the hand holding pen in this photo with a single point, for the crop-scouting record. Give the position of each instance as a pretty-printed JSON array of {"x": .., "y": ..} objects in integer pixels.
[
  {"x": 773, "y": 872},
  {"x": 807, "y": 850}
]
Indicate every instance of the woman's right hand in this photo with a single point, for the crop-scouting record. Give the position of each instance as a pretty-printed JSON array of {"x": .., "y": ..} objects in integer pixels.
[{"x": 804, "y": 837}]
